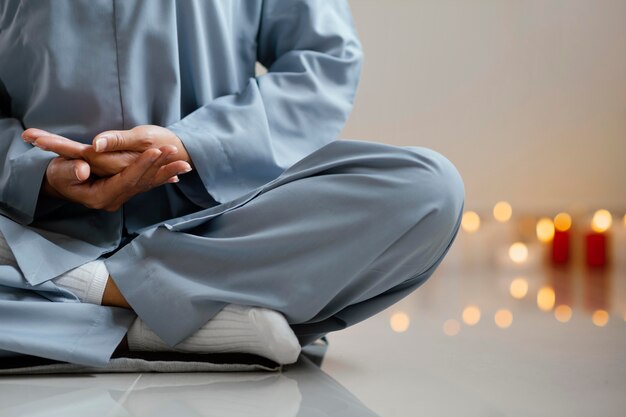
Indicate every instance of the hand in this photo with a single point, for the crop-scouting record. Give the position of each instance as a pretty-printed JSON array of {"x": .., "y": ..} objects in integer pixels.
[
  {"x": 70, "y": 179},
  {"x": 112, "y": 150},
  {"x": 139, "y": 139}
]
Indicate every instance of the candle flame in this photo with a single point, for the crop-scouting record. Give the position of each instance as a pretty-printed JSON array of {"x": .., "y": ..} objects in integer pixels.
[
  {"x": 600, "y": 318},
  {"x": 471, "y": 315},
  {"x": 518, "y": 252},
  {"x": 546, "y": 298},
  {"x": 545, "y": 230},
  {"x": 502, "y": 211},
  {"x": 470, "y": 221},
  {"x": 563, "y": 313},
  {"x": 602, "y": 220},
  {"x": 451, "y": 327},
  {"x": 399, "y": 322},
  {"x": 519, "y": 288},
  {"x": 562, "y": 222},
  {"x": 503, "y": 318}
]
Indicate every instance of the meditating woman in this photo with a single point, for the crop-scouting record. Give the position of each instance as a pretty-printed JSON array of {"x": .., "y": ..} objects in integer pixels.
[{"x": 157, "y": 194}]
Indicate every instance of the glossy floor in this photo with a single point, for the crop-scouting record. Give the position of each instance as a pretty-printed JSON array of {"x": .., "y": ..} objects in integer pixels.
[{"x": 484, "y": 337}]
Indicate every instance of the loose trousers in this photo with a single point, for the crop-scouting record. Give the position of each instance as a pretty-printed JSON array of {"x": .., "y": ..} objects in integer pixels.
[{"x": 339, "y": 236}]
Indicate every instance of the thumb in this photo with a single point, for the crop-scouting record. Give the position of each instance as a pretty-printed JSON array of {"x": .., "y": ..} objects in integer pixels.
[
  {"x": 77, "y": 170},
  {"x": 114, "y": 140}
]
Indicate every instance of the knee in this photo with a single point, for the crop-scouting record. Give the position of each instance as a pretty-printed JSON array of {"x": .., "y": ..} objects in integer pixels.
[
  {"x": 411, "y": 186},
  {"x": 437, "y": 180},
  {"x": 433, "y": 196}
]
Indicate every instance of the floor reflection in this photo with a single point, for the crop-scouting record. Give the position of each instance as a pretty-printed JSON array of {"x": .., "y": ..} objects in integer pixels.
[
  {"x": 485, "y": 336},
  {"x": 486, "y": 256},
  {"x": 301, "y": 390}
]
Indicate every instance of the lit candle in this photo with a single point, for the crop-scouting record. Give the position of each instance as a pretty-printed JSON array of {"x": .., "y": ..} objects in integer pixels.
[
  {"x": 561, "y": 239},
  {"x": 596, "y": 239}
]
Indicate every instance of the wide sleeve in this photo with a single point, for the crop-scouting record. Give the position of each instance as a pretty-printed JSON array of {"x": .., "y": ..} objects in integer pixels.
[
  {"x": 22, "y": 167},
  {"x": 239, "y": 142}
]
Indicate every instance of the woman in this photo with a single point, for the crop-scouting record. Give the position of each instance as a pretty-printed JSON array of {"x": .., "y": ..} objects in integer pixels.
[{"x": 140, "y": 150}]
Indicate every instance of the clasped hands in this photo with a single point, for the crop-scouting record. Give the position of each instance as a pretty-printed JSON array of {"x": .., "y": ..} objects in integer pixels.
[{"x": 118, "y": 165}]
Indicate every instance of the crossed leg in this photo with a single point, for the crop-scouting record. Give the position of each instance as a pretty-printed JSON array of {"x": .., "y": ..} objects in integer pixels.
[
  {"x": 342, "y": 234},
  {"x": 338, "y": 237}
]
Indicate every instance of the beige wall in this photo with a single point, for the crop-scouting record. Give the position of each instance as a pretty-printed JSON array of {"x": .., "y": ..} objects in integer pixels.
[{"x": 526, "y": 97}]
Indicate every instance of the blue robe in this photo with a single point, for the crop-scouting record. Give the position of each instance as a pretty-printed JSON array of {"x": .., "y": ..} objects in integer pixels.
[{"x": 276, "y": 214}]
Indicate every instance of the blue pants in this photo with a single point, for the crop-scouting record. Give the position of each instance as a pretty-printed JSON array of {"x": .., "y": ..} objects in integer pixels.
[{"x": 341, "y": 235}]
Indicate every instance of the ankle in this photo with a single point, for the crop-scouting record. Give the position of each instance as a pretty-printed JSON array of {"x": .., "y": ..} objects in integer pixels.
[{"x": 113, "y": 297}]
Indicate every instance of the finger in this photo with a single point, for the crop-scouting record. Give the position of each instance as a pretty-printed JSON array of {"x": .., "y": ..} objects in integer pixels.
[
  {"x": 32, "y": 133},
  {"x": 62, "y": 146},
  {"x": 131, "y": 176},
  {"x": 80, "y": 170},
  {"x": 169, "y": 173},
  {"x": 119, "y": 140},
  {"x": 105, "y": 164},
  {"x": 66, "y": 179},
  {"x": 70, "y": 171},
  {"x": 122, "y": 186},
  {"x": 148, "y": 179}
]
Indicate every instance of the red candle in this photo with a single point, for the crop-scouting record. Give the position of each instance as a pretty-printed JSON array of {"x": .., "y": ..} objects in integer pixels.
[
  {"x": 595, "y": 248},
  {"x": 560, "y": 247}
]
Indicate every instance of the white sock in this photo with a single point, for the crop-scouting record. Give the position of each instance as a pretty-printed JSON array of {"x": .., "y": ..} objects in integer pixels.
[
  {"x": 87, "y": 281},
  {"x": 235, "y": 328},
  {"x": 6, "y": 255}
]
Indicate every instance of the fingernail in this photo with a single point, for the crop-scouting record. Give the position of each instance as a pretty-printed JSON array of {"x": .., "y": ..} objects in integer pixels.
[
  {"x": 101, "y": 143},
  {"x": 76, "y": 173},
  {"x": 186, "y": 170},
  {"x": 174, "y": 179}
]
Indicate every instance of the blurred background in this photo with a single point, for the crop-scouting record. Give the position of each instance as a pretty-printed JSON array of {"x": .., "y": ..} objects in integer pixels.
[{"x": 526, "y": 98}]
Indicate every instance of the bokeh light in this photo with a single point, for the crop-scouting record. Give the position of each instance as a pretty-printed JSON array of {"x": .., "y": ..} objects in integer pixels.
[
  {"x": 503, "y": 318},
  {"x": 518, "y": 252},
  {"x": 502, "y": 211},
  {"x": 399, "y": 322},
  {"x": 545, "y": 230},
  {"x": 519, "y": 288},
  {"x": 563, "y": 313},
  {"x": 600, "y": 318},
  {"x": 602, "y": 220},
  {"x": 546, "y": 298},
  {"x": 471, "y": 315},
  {"x": 451, "y": 327},
  {"x": 562, "y": 222},
  {"x": 470, "y": 221}
]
